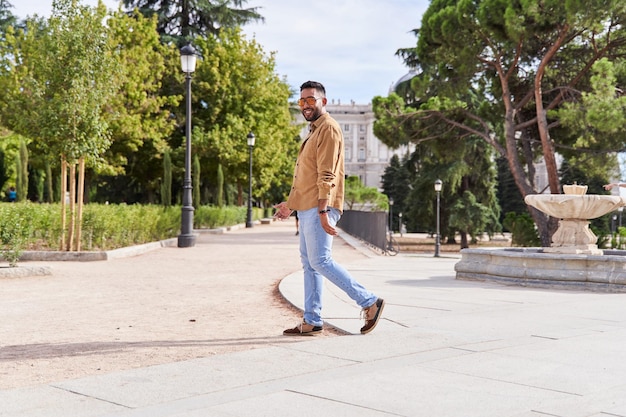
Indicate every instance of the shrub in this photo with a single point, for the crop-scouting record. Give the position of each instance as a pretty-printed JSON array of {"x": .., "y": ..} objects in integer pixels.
[
  {"x": 15, "y": 229},
  {"x": 104, "y": 226},
  {"x": 523, "y": 230}
]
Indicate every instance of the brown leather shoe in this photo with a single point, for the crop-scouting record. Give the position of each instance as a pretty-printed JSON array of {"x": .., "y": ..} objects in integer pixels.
[
  {"x": 303, "y": 329},
  {"x": 371, "y": 315}
]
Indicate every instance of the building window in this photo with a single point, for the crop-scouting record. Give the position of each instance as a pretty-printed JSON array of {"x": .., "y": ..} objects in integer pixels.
[
  {"x": 346, "y": 128},
  {"x": 361, "y": 137},
  {"x": 362, "y": 128},
  {"x": 361, "y": 154},
  {"x": 348, "y": 153}
]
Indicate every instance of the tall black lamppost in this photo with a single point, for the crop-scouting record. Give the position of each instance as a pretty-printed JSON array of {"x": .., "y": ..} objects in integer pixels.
[
  {"x": 391, "y": 215},
  {"x": 251, "y": 139},
  {"x": 438, "y": 185},
  {"x": 186, "y": 237}
]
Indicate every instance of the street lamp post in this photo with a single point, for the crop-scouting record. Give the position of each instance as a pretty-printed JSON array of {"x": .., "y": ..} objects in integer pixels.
[
  {"x": 186, "y": 238},
  {"x": 251, "y": 139},
  {"x": 438, "y": 185},
  {"x": 400, "y": 223},
  {"x": 391, "y": 215}
]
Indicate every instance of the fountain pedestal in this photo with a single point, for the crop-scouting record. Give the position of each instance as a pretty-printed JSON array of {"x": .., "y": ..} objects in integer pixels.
[{"x": 574, "y": 236}]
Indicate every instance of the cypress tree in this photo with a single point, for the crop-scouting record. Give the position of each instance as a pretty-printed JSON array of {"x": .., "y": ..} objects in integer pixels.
[
  {"x": 49, "y": 187},
  {"x": 196, "y": 181},
  {"x": 166, "y": 186},
  {"x": 3, "y": 170},
  {"x": 22, "y": 173},
  {"x": 220, "y": 186},
  {"x": 18, "y": 178}
]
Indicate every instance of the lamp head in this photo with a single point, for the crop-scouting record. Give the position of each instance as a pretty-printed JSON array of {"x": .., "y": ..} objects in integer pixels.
[
  {"x": 188, "y": 59},
  {"x": 438, "y": 185},
  {"x": 251, "y": 138}
]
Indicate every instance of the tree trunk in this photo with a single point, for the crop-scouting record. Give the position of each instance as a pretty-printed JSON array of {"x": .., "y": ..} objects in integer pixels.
[
  {"x": 63, "y": 202},
  {"x": 239, "y": 195},
  {"x": 70, "y": 229},
  {"x": 81, "y": 196},
  {"x": 464, "y": 242}
]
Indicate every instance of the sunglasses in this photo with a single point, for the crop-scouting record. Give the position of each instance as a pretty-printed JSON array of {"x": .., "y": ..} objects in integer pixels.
[{"x": 308, "y": 100}]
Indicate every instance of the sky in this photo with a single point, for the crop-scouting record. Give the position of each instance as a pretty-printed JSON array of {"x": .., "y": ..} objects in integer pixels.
[{"x": 347, "y": 45}]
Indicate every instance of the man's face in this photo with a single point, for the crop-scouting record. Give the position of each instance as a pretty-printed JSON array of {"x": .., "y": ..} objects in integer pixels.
[{"x": 311, "y": 104}]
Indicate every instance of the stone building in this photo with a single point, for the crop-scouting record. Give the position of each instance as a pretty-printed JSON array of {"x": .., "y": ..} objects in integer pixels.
[{"x": 365, "y": 155}]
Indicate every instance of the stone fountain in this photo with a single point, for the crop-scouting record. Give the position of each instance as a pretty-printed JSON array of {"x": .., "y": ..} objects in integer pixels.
[
  {"x": 573, "y": 259},
  {"x": 574, "y": 209}
]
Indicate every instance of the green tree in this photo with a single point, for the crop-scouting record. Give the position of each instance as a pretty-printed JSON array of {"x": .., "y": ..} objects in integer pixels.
[
  {"x": 7, "y": 19},
  {"x": 508, "y": 194},
  {"x": 62, "y": 75},
  {"x": 236, "y": 90},
  {"x": 521, "y": 60},
  {"x": 4, "y": 177},
  {"x": 396, "y": 184},
  {"x": 182, "y": 21},
  {"x": 196, "y": 181},
  {"x": 220, "y": 185},
  {"x": 22, "y": 173},
  {"x": 166, "y": 185},
  {"x": 470, "y": 217},
  {"x": 18, "y": 178},
  {"x": 140, "y": 114},
  {"x": 49, "y": 194},
  {"x": 360, "y": 197}
]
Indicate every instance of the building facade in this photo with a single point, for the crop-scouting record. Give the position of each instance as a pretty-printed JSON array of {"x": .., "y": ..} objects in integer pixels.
[{"x": 365, "y": 155}]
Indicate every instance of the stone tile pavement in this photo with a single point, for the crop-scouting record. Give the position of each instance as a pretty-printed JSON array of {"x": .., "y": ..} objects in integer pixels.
[{"x": 444, "y": 347}]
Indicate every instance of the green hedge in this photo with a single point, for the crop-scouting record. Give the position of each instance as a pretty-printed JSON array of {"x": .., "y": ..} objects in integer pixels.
[{"x": 34, "y": 226}]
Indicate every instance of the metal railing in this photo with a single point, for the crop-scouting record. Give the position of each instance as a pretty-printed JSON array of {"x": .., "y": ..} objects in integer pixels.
[{"x": 369, "y": 226}]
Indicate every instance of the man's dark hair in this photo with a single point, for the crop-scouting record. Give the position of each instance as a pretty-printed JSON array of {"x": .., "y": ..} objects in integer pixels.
[{"x": 314, "y": 84}]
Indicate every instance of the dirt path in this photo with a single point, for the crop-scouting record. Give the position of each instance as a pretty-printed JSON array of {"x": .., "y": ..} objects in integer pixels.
[{"x": 167, "y": 305}]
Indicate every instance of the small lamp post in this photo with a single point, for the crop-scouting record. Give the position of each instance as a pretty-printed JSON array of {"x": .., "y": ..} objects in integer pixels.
[
  {"x": 391, "y": 215},
  {"x": 438, "y": 185},
  {"x": 400, "y": 223},
  {"x": 251, "y": 138},
  {"x": 187, "y": 238}
]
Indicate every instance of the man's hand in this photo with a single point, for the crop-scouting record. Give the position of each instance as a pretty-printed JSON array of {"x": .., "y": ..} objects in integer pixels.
[
  {"x": 326, "y": 225},
  {"x": 282, "y": 211}
]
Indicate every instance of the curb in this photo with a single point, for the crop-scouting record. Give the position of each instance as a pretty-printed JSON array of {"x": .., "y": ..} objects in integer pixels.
[{"x": 24, "y": 271}]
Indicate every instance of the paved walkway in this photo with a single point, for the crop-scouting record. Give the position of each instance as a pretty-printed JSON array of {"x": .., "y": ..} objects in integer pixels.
[{"x": 443, "y": 348}]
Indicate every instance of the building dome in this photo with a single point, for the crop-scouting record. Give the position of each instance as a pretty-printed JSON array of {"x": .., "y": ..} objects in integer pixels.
[{"x": 402, "y": 80}]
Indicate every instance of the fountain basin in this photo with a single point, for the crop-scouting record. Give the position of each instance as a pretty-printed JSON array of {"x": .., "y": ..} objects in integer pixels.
[
  {"x": 573, "y": 206},
  {"x": 574, "y": 211},
  {"x": 532, "y": 267}
]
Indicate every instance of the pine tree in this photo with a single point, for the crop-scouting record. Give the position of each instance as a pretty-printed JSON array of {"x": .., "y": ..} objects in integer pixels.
[{"x": 181, "y": 21}]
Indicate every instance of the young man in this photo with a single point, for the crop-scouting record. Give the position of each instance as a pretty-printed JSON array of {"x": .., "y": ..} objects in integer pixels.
[{"x": 317, "y": 196}]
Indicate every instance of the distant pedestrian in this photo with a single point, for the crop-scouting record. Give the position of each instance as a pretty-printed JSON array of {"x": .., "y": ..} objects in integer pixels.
[
  {"x": 317, "y": 194},
  {"x": 12, "y": 195}
]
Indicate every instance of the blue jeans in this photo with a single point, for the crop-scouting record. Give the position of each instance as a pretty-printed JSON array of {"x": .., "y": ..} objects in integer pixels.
[{"x": 317, "y": 262}]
